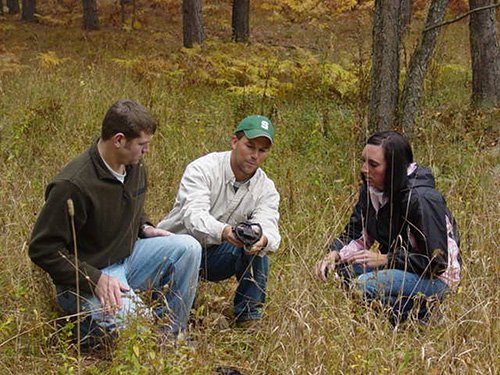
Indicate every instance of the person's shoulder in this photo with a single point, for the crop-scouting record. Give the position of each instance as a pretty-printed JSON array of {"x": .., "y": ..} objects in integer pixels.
[
  {"x": 262, "y": 175},
  {"x": 210, "y": 158},
  {"x": 421, "y": 184},
  {"x": 209, "y": 161},
  {"x": 425, "y": 196},
  {"x": 74, "y": 167},
  {"x": 77, "y": 170},
  {"x": 208, "y": 168},
  {"x": 262, "y": 179}
]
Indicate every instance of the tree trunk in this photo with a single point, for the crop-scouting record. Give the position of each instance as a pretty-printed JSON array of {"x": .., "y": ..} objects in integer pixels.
[
  {"x": 241, "y": 20},
  {"x": 90, "y": 19},
  {"x": 123, "y": 5},
  {"x": 485, "y": 55},
  {"x": 405, "y": 14},
  {"x": 1, "y": 7},
  {"x": 384, "y": 91},
  {"x": 192, "y": 23},
  {"x": 13, "y": 6},
  {"x": 419, "y": 63},
  {"x": 28, "y": 10},
  {"x": 122, "y": 12}
]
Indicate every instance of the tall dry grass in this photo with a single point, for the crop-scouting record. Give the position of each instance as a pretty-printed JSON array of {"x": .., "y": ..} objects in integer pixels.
[{"x": 51, "y": 110}]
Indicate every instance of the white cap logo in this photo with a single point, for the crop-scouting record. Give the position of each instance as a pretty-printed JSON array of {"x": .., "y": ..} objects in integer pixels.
[{"x": 264, "y": 124}]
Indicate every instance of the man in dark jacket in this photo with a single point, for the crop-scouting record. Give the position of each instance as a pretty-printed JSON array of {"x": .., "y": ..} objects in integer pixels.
[{"x": 94, "y": 239}]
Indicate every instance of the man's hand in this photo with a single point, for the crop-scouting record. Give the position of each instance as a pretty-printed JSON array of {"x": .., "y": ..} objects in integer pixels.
[
  {"x": 228, "y": 236},
  {"x": 327, "y": 264},
  {"x": 150, "y": 231},
  {"x": 109, "y": 291},
  {"x": 257, "y": 247},
  {"x": 368, "y": 258}
]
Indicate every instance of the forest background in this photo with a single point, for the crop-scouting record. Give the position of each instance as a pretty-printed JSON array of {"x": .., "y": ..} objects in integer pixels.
[{"x": 306, "y": 66}]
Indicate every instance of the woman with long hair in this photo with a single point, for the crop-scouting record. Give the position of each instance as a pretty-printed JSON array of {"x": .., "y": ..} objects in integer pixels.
[{"x": 400, "y": 209}]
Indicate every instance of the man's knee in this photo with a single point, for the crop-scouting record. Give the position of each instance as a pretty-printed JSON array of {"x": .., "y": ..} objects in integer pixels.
[
  {"x": 262, "y": 270},
  {"x": 191, "y": 249},
  {"x": 260, "y": 261}
]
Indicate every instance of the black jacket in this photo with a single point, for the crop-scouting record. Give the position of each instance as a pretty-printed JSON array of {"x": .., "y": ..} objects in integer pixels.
[
  {"x": 418, "y": 211},
  {"x": 108, "y": 216}
]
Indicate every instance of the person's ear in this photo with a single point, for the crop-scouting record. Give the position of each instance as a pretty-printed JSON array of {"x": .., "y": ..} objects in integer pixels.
[
  {"x": 118, "y": 140},
  {"x": 234, "y": 141}
]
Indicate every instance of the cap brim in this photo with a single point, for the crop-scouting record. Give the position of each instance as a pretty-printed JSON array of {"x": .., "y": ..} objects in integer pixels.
[{"x": 255, "y": 133}]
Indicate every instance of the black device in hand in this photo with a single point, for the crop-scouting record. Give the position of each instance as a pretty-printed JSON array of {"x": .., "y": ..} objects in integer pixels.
[{"x": 248, "y": 233}]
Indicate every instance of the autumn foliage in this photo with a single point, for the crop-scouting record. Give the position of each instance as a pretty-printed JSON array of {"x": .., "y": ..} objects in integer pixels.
[{"x": 307, "y": 67}]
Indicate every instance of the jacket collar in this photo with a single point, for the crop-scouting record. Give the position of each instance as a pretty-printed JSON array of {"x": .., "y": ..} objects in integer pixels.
[{"x": 101, "y": 169}]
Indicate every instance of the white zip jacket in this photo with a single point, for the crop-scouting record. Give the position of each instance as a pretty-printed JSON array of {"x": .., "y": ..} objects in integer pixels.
[{"x": 206, "y": 202}]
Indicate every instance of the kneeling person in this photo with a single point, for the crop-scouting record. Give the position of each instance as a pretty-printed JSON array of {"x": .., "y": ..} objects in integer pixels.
[
  {"x": 118, "y": 250},
  {"x": 399, "y": 208},
  {"x": 221, "y": 190}
]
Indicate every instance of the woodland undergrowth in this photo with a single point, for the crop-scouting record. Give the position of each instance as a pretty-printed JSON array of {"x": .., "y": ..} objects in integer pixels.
[{"x": 56, "y": 83}]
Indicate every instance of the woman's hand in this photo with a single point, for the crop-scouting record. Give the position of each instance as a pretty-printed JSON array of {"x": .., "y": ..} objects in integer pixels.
[
  {"x": 326, "y": 265},
  {"x": 368, "y": 258}
]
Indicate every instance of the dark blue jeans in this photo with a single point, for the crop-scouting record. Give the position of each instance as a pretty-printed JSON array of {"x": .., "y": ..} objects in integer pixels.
[
  {"x": 220, "y": 262},
  {"x": 401, "y": 291}
]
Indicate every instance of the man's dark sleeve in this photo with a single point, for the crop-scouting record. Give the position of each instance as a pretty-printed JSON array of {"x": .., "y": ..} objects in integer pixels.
[{"x": 51, "y": 245}]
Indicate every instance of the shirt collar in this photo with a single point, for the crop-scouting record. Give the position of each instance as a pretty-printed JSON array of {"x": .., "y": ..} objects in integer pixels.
[
  {"x": 377, "y": 198},
  {"x": 411, "y": 168}
]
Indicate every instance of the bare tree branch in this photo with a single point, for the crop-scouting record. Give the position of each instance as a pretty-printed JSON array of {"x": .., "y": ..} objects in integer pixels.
[{"x": 460, "y": 17}]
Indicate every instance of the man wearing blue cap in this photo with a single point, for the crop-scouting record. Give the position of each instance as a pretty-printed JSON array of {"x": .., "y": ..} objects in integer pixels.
[{"x": 221, "y": 190}]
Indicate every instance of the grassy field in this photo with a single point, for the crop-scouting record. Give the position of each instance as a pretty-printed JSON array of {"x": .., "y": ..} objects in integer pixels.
[{"x": 56, "y": 83}]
